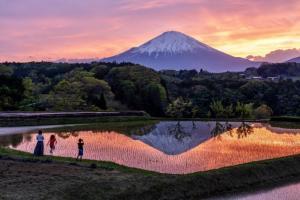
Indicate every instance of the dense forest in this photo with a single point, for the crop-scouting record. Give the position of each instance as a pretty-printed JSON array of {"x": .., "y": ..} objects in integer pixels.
[{"x": 42, "y": 86}]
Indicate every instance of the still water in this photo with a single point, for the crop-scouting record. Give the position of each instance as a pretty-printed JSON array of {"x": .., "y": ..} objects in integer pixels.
[
  {"x": 288, "y": 192},
  {"x": 171, "y": 147}
]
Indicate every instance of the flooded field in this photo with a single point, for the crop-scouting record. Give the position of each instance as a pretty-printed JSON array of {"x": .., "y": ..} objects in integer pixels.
[
  {"x": 287, "y": 192},
  {"x": 171, "y": 147}
]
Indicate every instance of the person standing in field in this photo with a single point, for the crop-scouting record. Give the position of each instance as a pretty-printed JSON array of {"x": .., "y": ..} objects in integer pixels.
[
  {"x": 80, "y": 149},
  {"x": 39, "y": 148},
  {"x": 52, "y": 142}
]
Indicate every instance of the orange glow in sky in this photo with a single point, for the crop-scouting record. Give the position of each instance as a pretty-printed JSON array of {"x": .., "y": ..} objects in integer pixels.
[{"x": 54, "y": 29}]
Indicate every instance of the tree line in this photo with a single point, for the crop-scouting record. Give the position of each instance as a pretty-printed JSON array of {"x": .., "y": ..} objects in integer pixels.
[{"x": 46, "y": 86}]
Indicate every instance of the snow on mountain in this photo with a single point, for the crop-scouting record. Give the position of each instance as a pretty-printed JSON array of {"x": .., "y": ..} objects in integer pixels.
[
  {"x": 172, "y": 42},
  {"x": 296, "y": 60},
  {"x": 175, "y": 50}
]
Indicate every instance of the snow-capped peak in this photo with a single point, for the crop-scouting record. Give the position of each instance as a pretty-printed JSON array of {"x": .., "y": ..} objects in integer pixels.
[{"x": 171, "y": 42}]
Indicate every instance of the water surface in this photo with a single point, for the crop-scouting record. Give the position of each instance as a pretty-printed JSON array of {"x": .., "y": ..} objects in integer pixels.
[
  {"x": 168, "y": 148},
  {"x": 287, "y": 192}
]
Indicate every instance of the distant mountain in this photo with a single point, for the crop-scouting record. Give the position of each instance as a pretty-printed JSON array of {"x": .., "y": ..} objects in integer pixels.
[
  {"x": 78, "y": 60},
  {"x": 296, "y": 60},
  {"x": 175, "y": 50}
]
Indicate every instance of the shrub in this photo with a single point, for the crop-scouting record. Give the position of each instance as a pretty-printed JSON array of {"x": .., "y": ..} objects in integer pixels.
[{"x": 263, "y": 112}]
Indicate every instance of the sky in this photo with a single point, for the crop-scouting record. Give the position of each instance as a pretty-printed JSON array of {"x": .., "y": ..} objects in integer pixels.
[{"x": 54, "y": 29}]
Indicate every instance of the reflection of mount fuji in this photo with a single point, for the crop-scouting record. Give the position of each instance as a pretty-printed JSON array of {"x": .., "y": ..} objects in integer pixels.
[{"x": 172, "y": 140}]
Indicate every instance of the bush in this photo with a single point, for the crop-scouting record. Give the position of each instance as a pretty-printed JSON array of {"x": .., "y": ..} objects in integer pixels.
[{"x": 263, "y": 112}]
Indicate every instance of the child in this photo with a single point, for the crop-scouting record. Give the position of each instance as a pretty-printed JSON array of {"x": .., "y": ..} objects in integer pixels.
[
  {"x": 80, "y": 149},
  {"x": 52, "y": 141}
]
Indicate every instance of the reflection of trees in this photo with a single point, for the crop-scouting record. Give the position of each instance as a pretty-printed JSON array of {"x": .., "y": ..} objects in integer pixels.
[
  {"x": 28, "y": 137},
  {"x": 244, "y": 130},
  {"x": 218, "y": 129},
  {"x": 75, "y": 133},
  {"x": 221, "y": 128},
  {"x": 142, "y": 130},
  {"x": 178, "y": 131},
  {"x": 66, "y": 135},
  {"x": 13, "y": 140}
]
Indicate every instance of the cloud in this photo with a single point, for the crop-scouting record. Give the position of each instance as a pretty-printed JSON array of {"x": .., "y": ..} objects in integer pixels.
[
  {"x": 280, "y": 55},
  {"x": 93, "y": 28}
]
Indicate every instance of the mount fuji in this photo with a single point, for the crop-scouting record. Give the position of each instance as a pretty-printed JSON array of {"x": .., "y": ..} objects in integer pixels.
[{"x": 175, "y": 50}]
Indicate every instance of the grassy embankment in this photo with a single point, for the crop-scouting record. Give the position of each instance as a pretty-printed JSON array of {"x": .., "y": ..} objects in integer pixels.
[
  {"x": 69, "y": 120},
  {"x": 63, "y": 178}
]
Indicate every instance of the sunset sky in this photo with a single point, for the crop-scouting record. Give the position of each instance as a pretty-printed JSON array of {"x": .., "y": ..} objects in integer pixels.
[{"x": 54, "y": 29}]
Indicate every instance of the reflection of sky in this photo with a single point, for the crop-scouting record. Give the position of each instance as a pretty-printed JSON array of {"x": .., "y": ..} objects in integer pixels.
[
  {"x": 288, "y": 192},
  {"x": 190, "y": 156}
]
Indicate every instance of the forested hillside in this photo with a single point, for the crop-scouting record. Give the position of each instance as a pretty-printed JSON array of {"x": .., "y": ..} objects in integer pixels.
[
  {"x": 109, "y": 86},
  {"x": 278, "y": 69}
]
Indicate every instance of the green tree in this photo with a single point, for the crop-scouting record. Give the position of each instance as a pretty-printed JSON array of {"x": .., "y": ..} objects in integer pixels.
[
  {"x": 102, "y": 102},
  {"x": 5, "y": 70},
  {"x": 11, "y": 92},
  {"x": 67, "y": 96},
  {"x": 228, "y": 111},
  {"x": 29, "y": 101},
  {"x": 244, "y": 110},
  {"x": 263, "y": 112},
  {"x": 155, "y": 99},
  {"x": 95, "y": 92},
  {"x": 217, "y": 109},
  {"x": 100, "y": 71},
  {"x": 179, "y": 108},
  {"x": 127, "y": 94}
]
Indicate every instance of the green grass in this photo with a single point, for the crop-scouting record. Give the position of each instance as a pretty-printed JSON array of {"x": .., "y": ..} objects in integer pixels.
[
  {"x": 15, "y": 154},
  {"x": 234, "y": 179}
]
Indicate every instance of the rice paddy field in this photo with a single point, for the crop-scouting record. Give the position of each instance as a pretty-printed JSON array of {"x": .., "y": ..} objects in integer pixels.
[
  {"x": 212, "y": 155},
  {"x": 161, "y": 149}
]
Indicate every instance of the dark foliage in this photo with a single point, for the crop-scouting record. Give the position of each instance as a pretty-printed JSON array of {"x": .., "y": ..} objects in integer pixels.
[
  {"x": 11, "y": 92},
  {"x": 112, "y": 86}
]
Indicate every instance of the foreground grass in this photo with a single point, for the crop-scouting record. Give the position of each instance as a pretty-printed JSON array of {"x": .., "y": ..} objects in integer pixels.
[
  {"x": 24, "y": 156},
  {"x": 63, "y": 178}
]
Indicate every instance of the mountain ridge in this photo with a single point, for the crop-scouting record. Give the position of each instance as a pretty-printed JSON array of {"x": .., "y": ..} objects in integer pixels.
[
  {"x": 296, "y": 60},
  {"x": 176, "y": 50}
]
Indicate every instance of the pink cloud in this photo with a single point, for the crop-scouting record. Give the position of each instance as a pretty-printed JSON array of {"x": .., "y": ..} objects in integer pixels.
[
  {"x": 279, "y": 55},
  {"x": 92, "y": 28}
]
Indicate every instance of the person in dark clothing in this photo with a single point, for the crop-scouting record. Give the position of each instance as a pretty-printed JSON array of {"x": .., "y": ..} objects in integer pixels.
[
  {"x": 39, "y": 148},
  {"x": 80, "y": 149}
]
